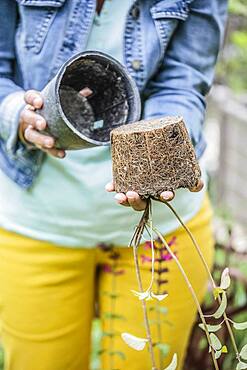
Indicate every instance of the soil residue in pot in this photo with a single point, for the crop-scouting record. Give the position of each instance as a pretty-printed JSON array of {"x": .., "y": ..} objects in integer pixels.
[{"x": 107, "y": 107}]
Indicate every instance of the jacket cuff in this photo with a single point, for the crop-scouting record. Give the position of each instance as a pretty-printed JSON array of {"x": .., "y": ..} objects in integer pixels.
[{"x": 10, "y": 109}]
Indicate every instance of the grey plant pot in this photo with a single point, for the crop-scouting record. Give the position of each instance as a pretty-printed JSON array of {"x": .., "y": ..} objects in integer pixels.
[{"x": 77, "y": 122}]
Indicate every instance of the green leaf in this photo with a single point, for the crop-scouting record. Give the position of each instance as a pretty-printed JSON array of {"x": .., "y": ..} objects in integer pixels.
[
  {"x": 143, "y": 295},
  {"x": 149, "y": 295},
  {"x": 217, "y": 355},
  {"x": 217, "y": 291},
  {"x": 173, "y": 365},
  {"x": 159, "y": 297},
  {"x": 225, "y": 279},
  {"x": 215, "y": 342},
  {"x": 240, "y": 325},
  {"x": 220, "y": 311},
  {"x": 243, "y": 352},
  {"x": 241, "y": 366},
  {"x": 211, "y": 328},
  {"x": 134, "y": 342},
  {"x": 118, "y": 353},
  {"x": 164, "y": 348}
]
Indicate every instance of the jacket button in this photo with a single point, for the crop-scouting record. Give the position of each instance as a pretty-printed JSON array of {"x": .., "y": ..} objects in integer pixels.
[
  {"x": 136, "y": 64},
  {"x": 135, "y": 12}
]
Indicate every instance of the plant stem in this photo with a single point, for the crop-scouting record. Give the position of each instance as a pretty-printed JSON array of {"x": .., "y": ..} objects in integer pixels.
[
  {"x": 150, "y": 232},
  {"x": 136, "y": 241},
  {"x": 193, "y": 241},
  {"x": 209, "y": 274},
  {"x": 144, "y": 306},
  {"x": 152, "y": 248},
  {"x": 158, "y": 315},
  {"x": 192, "y": 293},
  {"x": 113, "y": 308}
]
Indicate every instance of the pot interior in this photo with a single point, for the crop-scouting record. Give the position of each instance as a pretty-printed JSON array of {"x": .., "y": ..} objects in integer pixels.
[{"x": 104, "y": 106}]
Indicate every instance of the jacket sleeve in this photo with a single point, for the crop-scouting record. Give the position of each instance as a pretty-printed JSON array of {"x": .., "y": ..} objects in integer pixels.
[
  {"x": 11, "y": 95},
  {"x": 187, "y": 70}
]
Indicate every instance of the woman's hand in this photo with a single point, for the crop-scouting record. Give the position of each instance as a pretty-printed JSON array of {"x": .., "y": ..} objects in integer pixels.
[
  {"x": 32, "y": 123},
  {"x": 132, "y": 199}
]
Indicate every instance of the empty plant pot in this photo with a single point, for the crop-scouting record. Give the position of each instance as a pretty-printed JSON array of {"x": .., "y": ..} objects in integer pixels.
[
  {"x": 152, "y": 156},
  {"x": 80, "y": 120}
]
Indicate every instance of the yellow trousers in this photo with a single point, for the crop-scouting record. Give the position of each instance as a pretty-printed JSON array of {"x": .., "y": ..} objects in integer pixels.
[{"x": 48, "y": 295}]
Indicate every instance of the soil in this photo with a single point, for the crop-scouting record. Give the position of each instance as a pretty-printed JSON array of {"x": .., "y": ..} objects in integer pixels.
[
  {"x": 107, "y": 105},
  {"x": 152, "y": 156}
]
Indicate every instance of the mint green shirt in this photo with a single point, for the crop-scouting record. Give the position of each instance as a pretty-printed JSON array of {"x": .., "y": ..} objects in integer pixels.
[{"x": 67, "y": 204}]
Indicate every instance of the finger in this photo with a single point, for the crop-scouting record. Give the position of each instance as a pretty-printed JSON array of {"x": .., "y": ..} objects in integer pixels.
[
  {"x": 30, "y": 107},
  {"x": 34, "y": 119},
  {"x": 198, "y": 187},
  {"x": 135, "y": 201},
  {"x": 167, "y": 196},
  {"x": 109, "y": 187},
  {"x": 33, "y": 98},
  {"x": 58, "y": 153},
  {"x": 38, "y": 139},
  {"x": 86, "y": 91},
  {"x": 122, "y": 199}
]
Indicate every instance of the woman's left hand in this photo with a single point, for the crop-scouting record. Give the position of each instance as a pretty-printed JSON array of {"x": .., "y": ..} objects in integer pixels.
[{"x": 132, "y": 199}]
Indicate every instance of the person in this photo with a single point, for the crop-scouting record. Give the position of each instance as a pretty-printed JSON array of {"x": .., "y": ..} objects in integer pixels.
[{"x": 63, "y": 240}]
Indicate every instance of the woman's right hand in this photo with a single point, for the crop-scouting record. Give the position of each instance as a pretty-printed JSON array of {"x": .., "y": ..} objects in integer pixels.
[{"x": 32, "y": 123}]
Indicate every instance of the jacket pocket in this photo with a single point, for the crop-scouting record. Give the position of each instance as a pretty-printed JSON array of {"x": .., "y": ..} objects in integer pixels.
[
  {"x": 36, "y": 17},
  {"x": 166, "y": 15}
]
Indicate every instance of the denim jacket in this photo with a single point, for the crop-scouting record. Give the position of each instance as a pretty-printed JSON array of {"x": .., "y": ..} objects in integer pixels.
[{"x": 170, "y": 49}]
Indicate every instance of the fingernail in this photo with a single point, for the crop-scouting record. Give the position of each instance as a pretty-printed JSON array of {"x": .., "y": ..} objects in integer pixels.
[
  {"x": 40, "y": 124},
  {"x": 167, "y": 195},
  {"x": 108, "y": 187},
  {"x": 48, "y": 143},
  {"x": 60, "y": 154},
  {"x": 37, "y": 101},
  {"x": 131, "y": 194},
  {"x": 118, "y": 197}
]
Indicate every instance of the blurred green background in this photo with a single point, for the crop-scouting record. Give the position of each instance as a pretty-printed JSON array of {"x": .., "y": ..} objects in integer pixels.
[{"x": 231, "y": 69}]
